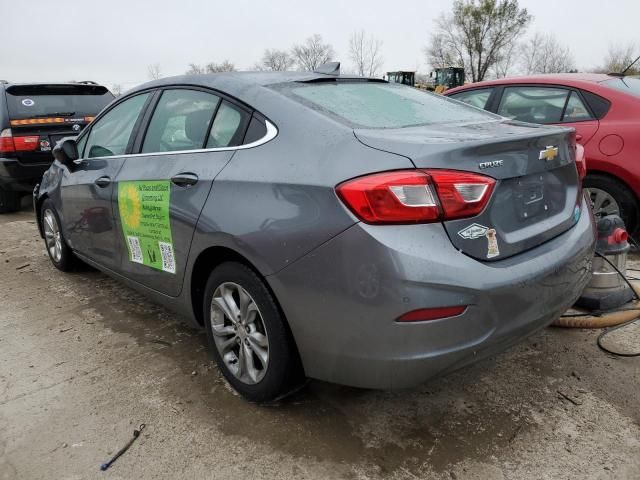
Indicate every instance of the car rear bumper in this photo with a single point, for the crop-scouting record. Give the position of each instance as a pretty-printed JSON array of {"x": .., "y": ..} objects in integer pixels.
[
  {"x": 20, "y": 177},
  {"x": 342, "y": 299}
]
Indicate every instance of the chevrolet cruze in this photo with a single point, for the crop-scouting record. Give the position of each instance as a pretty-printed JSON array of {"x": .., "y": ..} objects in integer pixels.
[{"x": 324, "y": 226}]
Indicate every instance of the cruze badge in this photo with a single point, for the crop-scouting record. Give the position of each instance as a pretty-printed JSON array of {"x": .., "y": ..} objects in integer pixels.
[
  {"x": 549, "y": 153},
  {"x": 494, "y": 164}
]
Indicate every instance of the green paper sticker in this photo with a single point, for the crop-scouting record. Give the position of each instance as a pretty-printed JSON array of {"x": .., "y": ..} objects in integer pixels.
[{"x": 144, "y": 215}]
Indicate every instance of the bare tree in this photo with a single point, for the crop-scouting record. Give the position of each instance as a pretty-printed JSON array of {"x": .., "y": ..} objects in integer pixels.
[
  {"x": 277, "y": 60},
  {"x": 506, "y": 61},
  {"x": 154, "y": 71},
  {"x": 441, "y": 52},
  {"x": 543, "y": 53},
  {"x": 619, "y": 57},
  {"x": 116, "y": 89},
  {"x": 225, "y": 66},
  {"x": 195, "y": 69},
  {"x": 365, "y": 54},
  {"x": 476, "y": 34},
  {"x": 312, "y": 53}
]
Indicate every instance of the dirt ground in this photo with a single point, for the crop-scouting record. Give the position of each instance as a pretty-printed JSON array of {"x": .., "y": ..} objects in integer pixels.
[{"x": 84, "y": 360}]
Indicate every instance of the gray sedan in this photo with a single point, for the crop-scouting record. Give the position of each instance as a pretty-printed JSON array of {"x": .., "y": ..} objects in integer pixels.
[{"x": 325, "y": 226}]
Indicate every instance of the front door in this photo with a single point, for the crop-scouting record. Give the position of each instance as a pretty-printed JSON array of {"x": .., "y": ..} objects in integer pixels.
[
  {"x": 88, "y": 188},
  {"x": 161, "y": 191}
]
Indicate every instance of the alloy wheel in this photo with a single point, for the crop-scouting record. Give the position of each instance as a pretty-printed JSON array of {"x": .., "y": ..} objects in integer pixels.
[
  {"x": 239, "y": 333},
  {"x": 602, "y": 203},
  {"x": 52, "y": 235}
]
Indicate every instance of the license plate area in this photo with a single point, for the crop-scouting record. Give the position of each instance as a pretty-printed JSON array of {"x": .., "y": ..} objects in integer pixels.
[{"x": 529, "y": 196}]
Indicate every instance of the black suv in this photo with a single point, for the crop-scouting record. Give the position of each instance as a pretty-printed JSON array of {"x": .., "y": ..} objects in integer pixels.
[{"x": 33, "y": 117}]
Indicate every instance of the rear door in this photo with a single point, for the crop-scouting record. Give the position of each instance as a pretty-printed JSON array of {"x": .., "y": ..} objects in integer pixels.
[
  {"x": 87, "y": 189},
  {"x": 549, "y": 105},
  {"x": 44, "y": 114},
  {"x": 161, "y": 191}
]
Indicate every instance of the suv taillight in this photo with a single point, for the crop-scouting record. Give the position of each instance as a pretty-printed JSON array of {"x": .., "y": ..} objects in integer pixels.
[
  {"x": 6, "y": 141},
  {"x": 11, "y": 144},
  {"x": 416, "y": 196}
]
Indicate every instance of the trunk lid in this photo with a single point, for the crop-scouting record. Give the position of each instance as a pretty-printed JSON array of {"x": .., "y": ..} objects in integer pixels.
[{"x": 537, "y": 192}]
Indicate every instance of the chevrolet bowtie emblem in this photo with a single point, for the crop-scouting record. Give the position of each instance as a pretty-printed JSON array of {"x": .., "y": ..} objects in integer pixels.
[{"x": 549, "y": 153}]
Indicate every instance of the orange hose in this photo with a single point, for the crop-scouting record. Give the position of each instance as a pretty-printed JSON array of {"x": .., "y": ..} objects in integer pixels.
[{"x": 631, "y": 311}]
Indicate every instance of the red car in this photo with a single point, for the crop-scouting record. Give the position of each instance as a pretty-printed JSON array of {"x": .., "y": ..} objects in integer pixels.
[{"x": 604, "y": 110}]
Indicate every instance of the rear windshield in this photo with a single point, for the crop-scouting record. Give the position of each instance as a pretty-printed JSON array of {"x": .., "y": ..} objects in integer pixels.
[
  {"x": 628, "y": 85},
  {"x": 382, "y": 105},
  {"x": 25, "y": 101}
]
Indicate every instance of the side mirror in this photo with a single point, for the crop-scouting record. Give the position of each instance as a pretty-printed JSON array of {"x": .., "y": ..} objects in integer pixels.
[{"x": 66, "y": 151}]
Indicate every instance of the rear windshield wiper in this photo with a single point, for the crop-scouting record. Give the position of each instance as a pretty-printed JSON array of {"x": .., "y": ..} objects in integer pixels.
[{"x": 54, "y": 114}]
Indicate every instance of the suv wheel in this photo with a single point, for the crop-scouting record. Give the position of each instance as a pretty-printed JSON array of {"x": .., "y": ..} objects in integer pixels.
[
  {"x": 608, "y": 196},
  {"x": 248, "y": 335},
  {"x": 9, "y": 201},
  {"x": 59, "y": 252}
]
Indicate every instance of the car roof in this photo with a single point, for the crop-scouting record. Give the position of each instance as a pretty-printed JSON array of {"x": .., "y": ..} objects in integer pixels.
[
  {"x": 551, "y": 78},
  {"x": 235, "y": 83}
]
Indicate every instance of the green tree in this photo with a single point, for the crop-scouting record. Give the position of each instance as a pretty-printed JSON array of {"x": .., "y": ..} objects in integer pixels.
[{"x": 476, "y": 34}]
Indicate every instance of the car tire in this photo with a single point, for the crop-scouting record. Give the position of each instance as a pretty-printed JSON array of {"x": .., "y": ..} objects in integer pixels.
[
  {"x": 59, "y": 252},
  {"x": 623, "y": 196},
  {"x": 239, "y": 346},
  {"x": 9, "y": 201}
]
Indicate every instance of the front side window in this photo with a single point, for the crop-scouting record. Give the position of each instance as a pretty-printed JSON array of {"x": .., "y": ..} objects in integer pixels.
[
  {"x": 533, "y": 104},
  {"x": 381, "y": 105},
  {"x": 180, "y": 121},
  {"x": 229, "y": 126},
  {"x": 475, "y": 98},
  {"x": 110, "y": 134}
]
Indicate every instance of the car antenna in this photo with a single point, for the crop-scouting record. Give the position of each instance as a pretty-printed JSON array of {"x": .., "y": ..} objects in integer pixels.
[
  {"x": 622, "y": 74},
  {"x": 329, "y": 68}
]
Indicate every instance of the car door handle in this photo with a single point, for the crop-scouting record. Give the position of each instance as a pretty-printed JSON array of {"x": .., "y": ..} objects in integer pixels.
[
  {"x": 578, "y": 137},
  {"x": 185, "y": 179},
  {"x": 103, "y": 181}
]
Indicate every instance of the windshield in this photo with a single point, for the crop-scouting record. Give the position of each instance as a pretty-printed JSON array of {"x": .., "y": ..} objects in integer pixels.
[
  {"x": 630, "y": 85},
  {"x": 382, "y": 105},
  {"x": 28, "y": 101}
]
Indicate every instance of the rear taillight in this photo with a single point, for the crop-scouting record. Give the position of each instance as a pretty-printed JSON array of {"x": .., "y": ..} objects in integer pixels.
[
  {"x": 416, "y": 196},
  {"x": 10, "y": 144},
  {"x": 6, "y": 141},
  {"x": 26, "y": 144},
  {"x": 581, "y": 162}
]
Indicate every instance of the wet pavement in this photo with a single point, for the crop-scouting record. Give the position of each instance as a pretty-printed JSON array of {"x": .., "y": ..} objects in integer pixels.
[{"x": 84, "y": 360}]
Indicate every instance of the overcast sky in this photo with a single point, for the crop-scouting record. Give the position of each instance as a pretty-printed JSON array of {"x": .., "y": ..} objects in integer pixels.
[{"x": 114, "y": 41}]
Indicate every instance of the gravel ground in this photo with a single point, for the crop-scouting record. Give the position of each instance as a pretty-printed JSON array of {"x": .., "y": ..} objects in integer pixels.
[{"x": 84, "y": 360}]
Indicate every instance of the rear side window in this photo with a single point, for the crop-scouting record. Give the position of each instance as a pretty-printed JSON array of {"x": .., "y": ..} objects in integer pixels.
[
  {"x": 28, "y": 101},
  {"x": 257, "y": 129},
  {"x": 475, "y": 98},
  {"x": 381, "y": 105},
  {"x": 110, "y": 134},
  {"x": 180, "y": 121},
  {"x": 576, "y": 110},
  {"x": 533, "y": 104},
  {"x": 228, "y": 127}
]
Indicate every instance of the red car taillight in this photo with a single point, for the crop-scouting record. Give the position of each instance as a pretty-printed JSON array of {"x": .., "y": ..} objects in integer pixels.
[
  {"x": 10, "y": 144},
  {"x": 416, "y": 196},
  {"x": 581, "y": 162}
]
